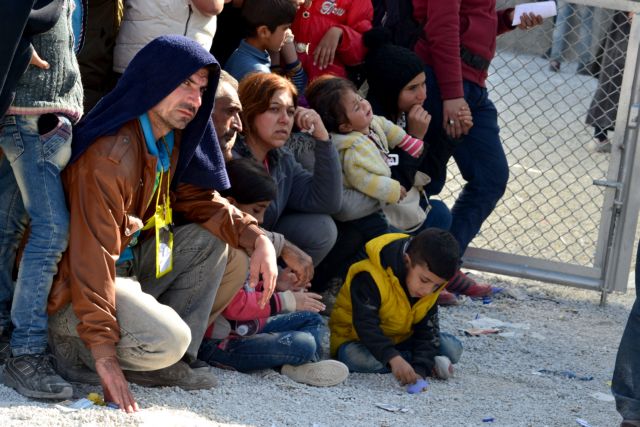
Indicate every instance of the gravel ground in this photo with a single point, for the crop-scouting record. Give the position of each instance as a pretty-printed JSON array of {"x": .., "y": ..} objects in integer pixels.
[{"x": 548, "y": 327}]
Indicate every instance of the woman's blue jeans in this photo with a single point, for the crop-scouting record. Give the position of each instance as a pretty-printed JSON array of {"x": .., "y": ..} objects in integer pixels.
[
  {"x": 626, "y": 375},
  {"x": 287, "y": 339},
  {"x": 31, "y": 190},
  {"x": 358, "y": 358}
]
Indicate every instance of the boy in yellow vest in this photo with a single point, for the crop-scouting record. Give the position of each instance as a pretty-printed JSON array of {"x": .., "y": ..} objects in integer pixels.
[{"x": 386, "y": 318}]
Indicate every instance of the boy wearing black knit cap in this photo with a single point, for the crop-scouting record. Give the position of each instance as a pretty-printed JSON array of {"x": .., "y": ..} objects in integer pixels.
[{"x": 385, "y": 318}]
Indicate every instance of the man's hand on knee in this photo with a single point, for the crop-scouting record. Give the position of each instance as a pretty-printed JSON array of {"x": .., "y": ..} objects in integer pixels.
[
  {"x": 114, "y": 384},
  {"x": 263, "y": 262}
]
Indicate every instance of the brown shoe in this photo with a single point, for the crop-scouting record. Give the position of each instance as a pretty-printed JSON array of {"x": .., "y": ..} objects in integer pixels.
[
  {"x": 446, "y": 298},
  {"x": 179, "y": 374}
]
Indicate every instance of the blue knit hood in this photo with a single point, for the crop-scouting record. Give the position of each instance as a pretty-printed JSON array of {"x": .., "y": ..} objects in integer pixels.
[{"x": 159, "y": 68}]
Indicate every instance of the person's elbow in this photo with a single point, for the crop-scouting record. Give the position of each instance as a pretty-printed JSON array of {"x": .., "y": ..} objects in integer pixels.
[{"x": 209, "y": 7}]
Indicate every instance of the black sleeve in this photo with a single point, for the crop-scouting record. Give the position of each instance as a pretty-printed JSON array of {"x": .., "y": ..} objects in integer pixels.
[
  {"x": 365, "y": 301},
  {"x": 426, "y": 342}
]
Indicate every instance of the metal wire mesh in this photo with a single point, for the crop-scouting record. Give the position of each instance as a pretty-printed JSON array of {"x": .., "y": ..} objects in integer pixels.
[{"x": 551, "y": 209}]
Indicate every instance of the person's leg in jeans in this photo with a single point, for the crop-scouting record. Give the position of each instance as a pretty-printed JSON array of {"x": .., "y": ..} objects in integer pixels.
[
  {"x": 626, "y": 375},
  {"x": 583, "y": 45},
  {"x": 483, "y": 165},
  {"x": 199, "y": 260},
  {"x": 560, "y": 32},
  {"x": 358, "y": 358},
  {"x": 286, "y": 339},
  {"x": 30, "y": 187},
  {"x": 315, "y": 234}
]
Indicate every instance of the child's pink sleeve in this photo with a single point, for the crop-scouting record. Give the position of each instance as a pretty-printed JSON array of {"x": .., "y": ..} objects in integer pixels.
[
  {"x": 412, "y": 146},
  {"x": 351, "y": 50},
  {"x": 244, "y": 306}
]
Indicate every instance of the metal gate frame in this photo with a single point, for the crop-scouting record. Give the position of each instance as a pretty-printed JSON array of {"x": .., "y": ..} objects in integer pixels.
[{"x": 616, "y": 237}]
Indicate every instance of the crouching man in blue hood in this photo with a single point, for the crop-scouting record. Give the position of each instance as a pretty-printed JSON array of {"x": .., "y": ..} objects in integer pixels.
[{"x": 142, "y": 194}]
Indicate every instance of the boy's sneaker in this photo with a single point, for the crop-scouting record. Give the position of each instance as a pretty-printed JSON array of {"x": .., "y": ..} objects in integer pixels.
[
  {"x": 460, "y": 283},
  {"x": 325, "y": 373},
  {"x": 446, "y": 298},
  {"x": 179, "y": 374},
  {"x": 443, "y": 368},
  {"x": 32, "y": 375}
]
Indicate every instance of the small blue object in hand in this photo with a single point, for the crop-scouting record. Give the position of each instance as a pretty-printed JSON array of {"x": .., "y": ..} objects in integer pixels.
[{"x": 417, "y": 387}]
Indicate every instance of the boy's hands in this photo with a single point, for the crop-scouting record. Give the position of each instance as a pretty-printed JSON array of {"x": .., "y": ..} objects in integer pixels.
[
  {"x": 308, "y": 301},
  {"x": 325, "y": 52},
  {"x": 418, "y": 120},
  {"x": 403, "y": 371}
]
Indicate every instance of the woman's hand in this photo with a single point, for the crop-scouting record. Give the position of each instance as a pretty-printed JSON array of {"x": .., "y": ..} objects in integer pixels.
[
  {"x": 418, "y": 120},
  {"x": 309, "y": 121}
]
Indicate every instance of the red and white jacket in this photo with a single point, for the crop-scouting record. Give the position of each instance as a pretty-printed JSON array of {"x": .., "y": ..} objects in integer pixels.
[{"x": 354, "y": 17}]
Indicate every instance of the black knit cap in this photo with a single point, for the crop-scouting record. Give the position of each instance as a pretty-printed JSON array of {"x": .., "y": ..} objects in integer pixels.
[{"x": 388, "y": 69}]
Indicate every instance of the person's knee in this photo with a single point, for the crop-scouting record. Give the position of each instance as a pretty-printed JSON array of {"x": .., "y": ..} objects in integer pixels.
[
  {"x": 325, "y": 234},
  {"x": 304, "y": 345},
  {"x": 169, "y": 344},
  {"x": 451, "y": 347}
]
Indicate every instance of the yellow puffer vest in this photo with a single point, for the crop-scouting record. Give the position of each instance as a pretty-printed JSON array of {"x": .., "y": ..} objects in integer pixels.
[{"x": 397, "y": 317}]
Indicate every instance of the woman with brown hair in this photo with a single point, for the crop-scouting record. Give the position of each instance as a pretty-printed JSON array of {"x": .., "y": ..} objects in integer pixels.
[{"x": 305, "y": 200}]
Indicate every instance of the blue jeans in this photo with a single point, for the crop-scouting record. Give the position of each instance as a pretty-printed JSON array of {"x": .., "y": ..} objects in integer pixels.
[
  {"x": 358, "y": 358},
  {"x": 31, "y": 189},
  {"x": 287, "y": 339},
  {"x": 479, "y": 156},
  {"x": 562, "y": 30},
  {"x": 626, "y": 375}
]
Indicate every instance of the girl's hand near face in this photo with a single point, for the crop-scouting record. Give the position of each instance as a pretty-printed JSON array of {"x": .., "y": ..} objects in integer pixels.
[
  {"x": 309, "y": 121},
  {"x": 418, "y": 120}
]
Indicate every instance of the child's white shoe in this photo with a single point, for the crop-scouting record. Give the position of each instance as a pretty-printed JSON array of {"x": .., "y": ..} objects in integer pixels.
[
  {"x": 443, "y": 368},
  {"x": 325, "y": 373}
]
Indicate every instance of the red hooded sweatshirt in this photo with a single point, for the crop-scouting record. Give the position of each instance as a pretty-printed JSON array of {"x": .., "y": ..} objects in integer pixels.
[{"x": 448, "y": 24}]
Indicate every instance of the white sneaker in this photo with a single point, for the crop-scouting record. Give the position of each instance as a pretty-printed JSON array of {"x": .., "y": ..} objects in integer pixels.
[
  {"x": 443, "y": 368},
  {"x": 325, "y": 373}
]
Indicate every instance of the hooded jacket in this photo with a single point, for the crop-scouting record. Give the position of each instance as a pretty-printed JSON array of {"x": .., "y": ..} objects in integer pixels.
[{"x": 110, "y": 185}]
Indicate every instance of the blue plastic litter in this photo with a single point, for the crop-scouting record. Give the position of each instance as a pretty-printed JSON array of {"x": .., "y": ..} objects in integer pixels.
[
  {"x": 566, "y": 374},
  {"x": 418, "y": 386},
  {"x": 488, "y": 420}
]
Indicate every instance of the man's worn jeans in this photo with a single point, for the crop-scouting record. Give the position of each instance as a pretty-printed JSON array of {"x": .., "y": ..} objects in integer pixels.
[
  {"x": 31, "y": 190},
  {"x": 626, "y": 376},
  {"x": 161, "y": 319}
]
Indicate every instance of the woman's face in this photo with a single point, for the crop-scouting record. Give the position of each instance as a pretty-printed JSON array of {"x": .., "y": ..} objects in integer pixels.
[
  {"x": 273, "y": 127},
  {"x": 415, "y": 92}
]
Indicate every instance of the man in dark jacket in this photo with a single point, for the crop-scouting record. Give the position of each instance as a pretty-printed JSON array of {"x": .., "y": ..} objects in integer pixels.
[{"x": 148, "y": 149}]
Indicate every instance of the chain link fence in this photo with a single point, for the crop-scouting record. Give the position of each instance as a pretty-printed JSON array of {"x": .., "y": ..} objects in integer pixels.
[{"x": 556, "y": 89}]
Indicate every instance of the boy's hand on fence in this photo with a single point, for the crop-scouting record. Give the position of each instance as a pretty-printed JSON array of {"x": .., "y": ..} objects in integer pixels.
[
  {"x": 308, "y": 301},
  {"x": 325, "y": 52},
  {"x": 418, "y": 120},
  {"x": 403, "y": 371}
]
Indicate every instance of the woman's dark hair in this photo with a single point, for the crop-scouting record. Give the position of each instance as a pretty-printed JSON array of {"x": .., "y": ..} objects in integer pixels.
[
  {"x": 438, "y": 250},
  {"x": 271, "y": 13},
  {"x": 250, "y": 182},
  {"x": 324, "y": 95}
]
